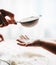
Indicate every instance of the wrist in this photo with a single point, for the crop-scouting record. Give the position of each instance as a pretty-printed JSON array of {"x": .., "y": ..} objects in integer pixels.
[{"x": 39, "y": 43}]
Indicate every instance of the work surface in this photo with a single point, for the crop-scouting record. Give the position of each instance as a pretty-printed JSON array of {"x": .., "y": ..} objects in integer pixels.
[{"x": 13, "y": 53}]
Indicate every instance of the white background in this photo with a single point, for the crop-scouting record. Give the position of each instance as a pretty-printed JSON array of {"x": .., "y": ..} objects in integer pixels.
[
  {"x": 27, "y": 8},
  {"x": 46, "y": 28}
]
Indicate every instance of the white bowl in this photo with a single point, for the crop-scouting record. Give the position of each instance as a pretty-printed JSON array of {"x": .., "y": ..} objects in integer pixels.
[{"x": 30, "y": 21}]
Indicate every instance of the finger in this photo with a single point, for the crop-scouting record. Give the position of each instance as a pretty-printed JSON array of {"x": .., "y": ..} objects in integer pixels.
[
  {"x": 23, "y": 37},
  {"x": 26, "y": 45},
  {"x": 19, "y": 41},
  {"x": 26, "y": 37},
  {"x": 21, "y": 44},
  {"x": 1, "y": 25},
  {"x": 11, "y": 21}
]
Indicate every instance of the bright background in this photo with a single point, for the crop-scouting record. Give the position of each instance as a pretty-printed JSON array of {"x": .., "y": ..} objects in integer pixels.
[
  {"x": 27, "y": 8},
  {"x": 46, "y": 28}
]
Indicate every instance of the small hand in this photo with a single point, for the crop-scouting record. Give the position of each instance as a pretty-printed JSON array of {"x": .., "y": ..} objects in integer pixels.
[
  {"x": 22, "y": 40},
  {"x": 22, "y": 43}
]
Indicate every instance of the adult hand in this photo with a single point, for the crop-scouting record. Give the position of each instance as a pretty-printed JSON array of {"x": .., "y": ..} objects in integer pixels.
[{"x": 3, "y": 20}]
